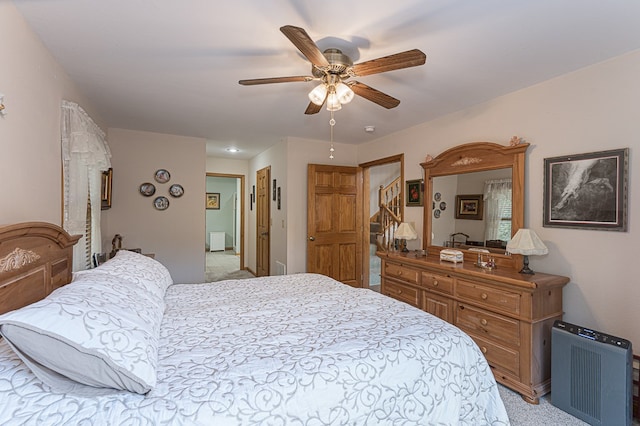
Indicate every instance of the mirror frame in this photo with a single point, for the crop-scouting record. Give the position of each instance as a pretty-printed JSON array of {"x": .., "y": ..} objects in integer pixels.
[{"x": 477, "y": 157}]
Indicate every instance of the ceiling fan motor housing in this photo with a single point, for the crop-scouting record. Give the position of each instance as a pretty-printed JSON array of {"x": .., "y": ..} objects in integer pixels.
[{"x": 338, "y": 64}]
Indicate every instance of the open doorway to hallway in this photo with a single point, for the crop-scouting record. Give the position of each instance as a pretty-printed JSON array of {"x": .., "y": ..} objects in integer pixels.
[
  {"x": 383, "y": 187},
  {"x": 224, "y": 227}
]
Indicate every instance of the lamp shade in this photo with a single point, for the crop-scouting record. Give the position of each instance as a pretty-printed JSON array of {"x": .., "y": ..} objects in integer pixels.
[
  {"x": 526, "y": 242},
  {"x": 406, "y": 232}
]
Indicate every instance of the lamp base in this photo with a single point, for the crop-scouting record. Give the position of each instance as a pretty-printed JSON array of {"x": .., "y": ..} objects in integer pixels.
[
  {"x": 525, "y": 267},
  {"x": 404, "y": 246}
]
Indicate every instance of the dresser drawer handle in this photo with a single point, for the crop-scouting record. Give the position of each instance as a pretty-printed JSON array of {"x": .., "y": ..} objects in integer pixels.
[
  {"x": 399, "y": 291},
  {"x": 483, "y": 349},
  {"x": 483, "y": 321},
  {"x": 399, "y": 272},
  {"x": 435, "y": 283},
  {"x": 484, "y": 296}
]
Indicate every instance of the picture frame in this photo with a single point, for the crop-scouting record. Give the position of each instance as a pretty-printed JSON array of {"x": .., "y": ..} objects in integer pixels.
[
  {"x": 469, "y": 206},
  {"x": 274, "y": 190},
  {"x": 213, "y": 201},
  {"x": 587, "y": 191},
  {"x": 414, "y": 191},
  {"x": 106, "y": 188},
  {"x": 279, "y": 198}
]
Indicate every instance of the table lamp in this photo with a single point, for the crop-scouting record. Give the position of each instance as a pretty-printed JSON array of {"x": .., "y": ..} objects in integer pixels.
[
  {"x": 526, "y": 242},
  {"x": 405, "y": 232}
]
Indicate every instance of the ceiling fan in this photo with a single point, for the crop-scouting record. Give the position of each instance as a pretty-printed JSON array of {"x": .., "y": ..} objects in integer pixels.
[{"x": 333, "y": 69}]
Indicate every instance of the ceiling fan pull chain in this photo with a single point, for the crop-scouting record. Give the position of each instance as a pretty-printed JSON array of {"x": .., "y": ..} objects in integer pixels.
[{"x": 332, "y": 122}]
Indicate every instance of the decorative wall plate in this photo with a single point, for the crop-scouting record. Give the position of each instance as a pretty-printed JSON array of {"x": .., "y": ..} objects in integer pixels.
[
  {"x": 443, "y": 205},
  {"x": 176, "y": 190},
  {"x": 161, "y": 203},
  {"x": 162, "y": 176},
  {"x": 437, "y": 196},
  {"x": 436, "y": 213},
  {"x": 147, "y": 189}
]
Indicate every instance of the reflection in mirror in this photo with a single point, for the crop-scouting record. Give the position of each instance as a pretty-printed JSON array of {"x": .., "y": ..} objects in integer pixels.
[
  {"x": 493, "y": 229},
  {"x": 461, "y": 167}
]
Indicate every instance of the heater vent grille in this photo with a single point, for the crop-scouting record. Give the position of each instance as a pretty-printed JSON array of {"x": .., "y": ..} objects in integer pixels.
[{"x": 586, "y": 383}]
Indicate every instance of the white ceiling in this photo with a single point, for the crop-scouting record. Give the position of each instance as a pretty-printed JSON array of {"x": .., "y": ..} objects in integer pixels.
[{"x": 172, "y": 66}]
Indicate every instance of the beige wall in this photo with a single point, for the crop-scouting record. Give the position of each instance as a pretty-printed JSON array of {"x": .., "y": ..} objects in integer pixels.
[
  {"x": 174, "y": 235},
  {"x": 593, "y": 109},
  {"x": 34, "y": 85}
]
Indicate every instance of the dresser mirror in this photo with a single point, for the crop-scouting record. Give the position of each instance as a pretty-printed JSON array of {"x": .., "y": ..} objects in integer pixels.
[{"x": 455, "y": 211}]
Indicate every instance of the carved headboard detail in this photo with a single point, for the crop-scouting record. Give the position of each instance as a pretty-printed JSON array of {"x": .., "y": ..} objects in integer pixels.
[{"x": 35, "y": 259}]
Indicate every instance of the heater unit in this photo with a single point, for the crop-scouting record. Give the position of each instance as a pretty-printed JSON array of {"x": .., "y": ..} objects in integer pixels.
[{"x": 591, "y": 374}]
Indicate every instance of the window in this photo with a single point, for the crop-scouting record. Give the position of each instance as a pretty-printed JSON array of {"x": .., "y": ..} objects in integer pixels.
[
  {"x": 497, "y": 196},
  {"x": 85, "y": 154}
]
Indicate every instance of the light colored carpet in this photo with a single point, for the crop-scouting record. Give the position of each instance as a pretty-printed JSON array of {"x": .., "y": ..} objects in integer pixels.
[
  {"x": 521, "y": 413},
  {"x": 224, "y": 265}
]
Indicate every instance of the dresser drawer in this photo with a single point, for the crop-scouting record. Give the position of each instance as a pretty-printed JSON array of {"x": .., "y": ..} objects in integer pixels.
[
  {"x": 439, "y": 283},
  {"x": 402, "y": 272},
  {"x": 482, "y": 323},
  {"x": 490, "y": 297},
  {"x": 401, "y": 292},
  {"x": 498, "y": 356}
]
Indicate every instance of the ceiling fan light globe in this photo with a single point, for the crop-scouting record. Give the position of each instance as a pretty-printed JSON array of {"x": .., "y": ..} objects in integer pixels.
[
  {"x": 333, "y": 103},
  {"x": 344, "y": 93},
  {"x": 318, "y": 94}
]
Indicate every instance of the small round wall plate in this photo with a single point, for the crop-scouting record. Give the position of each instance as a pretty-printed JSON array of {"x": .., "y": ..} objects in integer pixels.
[
  {"x": 443, "y": 206},
  {"x": 436, "y": 213},
  {"x": 147, "y": 189},
  {"x": 176, "y": 190},
  {"x": 162, "y": 176},
  {"x": 161, "y": 203},
  {"x": 437, "y": 196}
]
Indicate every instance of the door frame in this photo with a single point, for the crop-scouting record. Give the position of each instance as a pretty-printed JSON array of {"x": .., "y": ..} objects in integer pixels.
[
  {"x": 366, "y": 202},
  {"x": 242, "y": 208}
]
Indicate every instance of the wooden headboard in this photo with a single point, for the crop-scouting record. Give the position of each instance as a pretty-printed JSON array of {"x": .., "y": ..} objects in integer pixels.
[{"x": 35, "y": 259}]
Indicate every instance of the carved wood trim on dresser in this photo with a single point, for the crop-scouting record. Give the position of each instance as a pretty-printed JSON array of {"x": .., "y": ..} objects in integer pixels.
[
  {"x": 508, "y": 314},
  {"x": 35, "y": 259}
]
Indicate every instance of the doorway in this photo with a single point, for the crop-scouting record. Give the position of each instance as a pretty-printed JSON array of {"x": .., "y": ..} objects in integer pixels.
[
  {"x": 383, "y": 182},
  {"x": 224, "y": 226}
]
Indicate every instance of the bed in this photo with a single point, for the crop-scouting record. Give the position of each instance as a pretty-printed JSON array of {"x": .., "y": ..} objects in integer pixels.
[{"x": 123, "y": 344}]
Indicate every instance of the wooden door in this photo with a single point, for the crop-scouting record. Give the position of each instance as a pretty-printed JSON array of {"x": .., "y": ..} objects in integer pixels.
[
  {"x": 263, "y": 220},
  {"x": 334, "y": 222}
]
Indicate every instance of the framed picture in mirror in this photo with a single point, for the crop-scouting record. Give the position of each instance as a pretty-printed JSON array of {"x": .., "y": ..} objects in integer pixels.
[{"x": 469, "y": 206}]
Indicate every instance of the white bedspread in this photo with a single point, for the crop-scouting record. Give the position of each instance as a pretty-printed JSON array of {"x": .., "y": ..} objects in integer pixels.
[{"x": 292, "y": 350}]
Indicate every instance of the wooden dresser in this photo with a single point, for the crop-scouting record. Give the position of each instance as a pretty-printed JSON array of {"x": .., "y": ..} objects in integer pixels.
[{"x": 508, "y": 314}]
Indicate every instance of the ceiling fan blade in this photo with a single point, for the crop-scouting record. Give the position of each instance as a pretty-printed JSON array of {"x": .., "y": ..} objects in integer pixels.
[
  {"x": 410, "y": 58},
  {"x": 373, "y": 95},
  {"x": 254, "y": 81},
  {"x": 303, "y": 42},
  {"x": 312, "y": 109}
]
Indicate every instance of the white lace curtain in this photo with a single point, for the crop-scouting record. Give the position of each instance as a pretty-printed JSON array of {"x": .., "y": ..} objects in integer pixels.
[
  {"x": 85, "y": 154},
  {"x": 497, "y": 197}
]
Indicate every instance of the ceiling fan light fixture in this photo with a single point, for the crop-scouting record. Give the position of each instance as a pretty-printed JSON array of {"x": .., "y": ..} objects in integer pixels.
[
  {"x": 318, "y": 94},
  {"x": 333, "y": 103},
  {"x": 344, "y": 93}
]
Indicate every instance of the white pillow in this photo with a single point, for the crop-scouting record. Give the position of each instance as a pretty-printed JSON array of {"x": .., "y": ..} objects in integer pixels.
[
  {"x": 137, "y": 268},
  {"x": 99, "y": 330}
]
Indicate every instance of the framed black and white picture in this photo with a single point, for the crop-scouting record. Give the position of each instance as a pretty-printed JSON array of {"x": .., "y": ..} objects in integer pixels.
[{"x": 587, "y": 191}]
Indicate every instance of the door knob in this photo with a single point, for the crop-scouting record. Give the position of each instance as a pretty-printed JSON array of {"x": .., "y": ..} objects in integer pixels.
[
  {"x": 264, "y": 234},
  {"x": 312, "y": 238}
]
